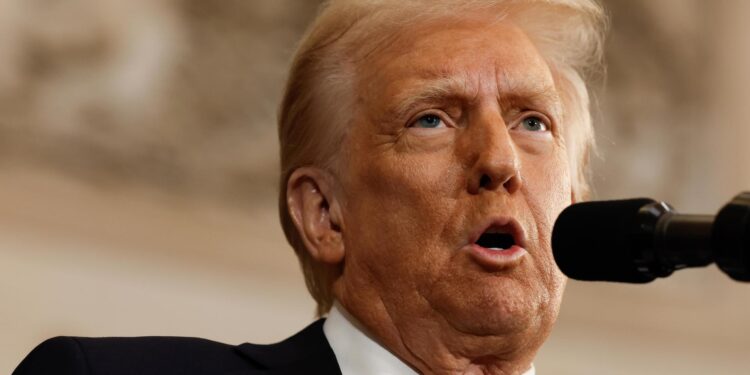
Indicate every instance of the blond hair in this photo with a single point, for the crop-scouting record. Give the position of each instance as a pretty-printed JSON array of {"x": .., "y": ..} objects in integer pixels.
[{"x": 568, "y": 33}]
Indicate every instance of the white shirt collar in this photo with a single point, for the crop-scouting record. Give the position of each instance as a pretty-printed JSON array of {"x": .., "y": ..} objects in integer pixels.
[
  {"x": 356, "y": 352},
  {"x": 359, "y": 354}
]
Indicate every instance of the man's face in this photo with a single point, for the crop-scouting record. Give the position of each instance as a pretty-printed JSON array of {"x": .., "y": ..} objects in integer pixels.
[{"x": 456, "y": 133}]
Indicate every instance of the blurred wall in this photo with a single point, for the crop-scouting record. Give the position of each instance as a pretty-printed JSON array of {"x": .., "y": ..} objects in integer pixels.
[{"x": 138, "y": 177}]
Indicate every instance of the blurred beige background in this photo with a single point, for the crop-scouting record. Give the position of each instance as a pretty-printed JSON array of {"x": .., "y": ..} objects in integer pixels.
[{"x": 138, "y": 177}]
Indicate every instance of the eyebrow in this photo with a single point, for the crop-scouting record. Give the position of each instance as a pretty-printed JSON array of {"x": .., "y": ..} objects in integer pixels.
[
  {"x": 520, "y": 90},
  {"x": 455, "y": 87},
  {"x": 430, "y": 90}
]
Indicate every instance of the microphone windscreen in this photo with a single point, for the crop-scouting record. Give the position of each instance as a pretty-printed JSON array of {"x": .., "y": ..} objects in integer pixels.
[
  {"x": 731, "y": 238},
  {"x": 598, "y": 241}
]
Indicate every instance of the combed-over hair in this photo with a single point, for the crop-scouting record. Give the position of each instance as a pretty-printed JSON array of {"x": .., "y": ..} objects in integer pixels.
[{"x": 318, "y": 98}]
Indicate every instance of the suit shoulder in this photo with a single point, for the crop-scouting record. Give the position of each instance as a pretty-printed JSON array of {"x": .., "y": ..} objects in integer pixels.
[
  {"x": 128, "y": 355},
  {"x": 58, "y": 355}
]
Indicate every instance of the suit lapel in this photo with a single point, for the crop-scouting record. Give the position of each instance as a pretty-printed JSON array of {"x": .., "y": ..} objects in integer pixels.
[{"x": 307, "y": 352}]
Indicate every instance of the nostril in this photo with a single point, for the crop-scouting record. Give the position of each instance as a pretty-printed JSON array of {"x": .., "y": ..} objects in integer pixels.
[
  {"x": 484, "y": 181},
  {"x": 512, "y": 184}
]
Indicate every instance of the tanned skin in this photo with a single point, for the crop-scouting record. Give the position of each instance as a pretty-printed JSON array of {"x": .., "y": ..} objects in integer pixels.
[{"x": 457, "y": 124}]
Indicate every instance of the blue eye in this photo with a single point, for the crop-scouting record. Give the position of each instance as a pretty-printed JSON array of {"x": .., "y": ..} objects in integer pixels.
[
  {"x": 429, "y": 121},
  {"x": 534, "y": 124}
]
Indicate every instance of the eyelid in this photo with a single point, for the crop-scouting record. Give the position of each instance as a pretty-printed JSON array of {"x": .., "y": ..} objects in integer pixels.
[
  {"x": 524, "y": 114},
  {"x": 435, "y": 112}
]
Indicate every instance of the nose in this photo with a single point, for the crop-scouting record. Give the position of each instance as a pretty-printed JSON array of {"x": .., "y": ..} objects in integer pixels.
[{"x": 493, "y": 162}]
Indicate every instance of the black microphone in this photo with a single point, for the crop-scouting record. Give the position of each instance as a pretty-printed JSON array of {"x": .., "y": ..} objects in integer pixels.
[{"x": 639, "y": 240}]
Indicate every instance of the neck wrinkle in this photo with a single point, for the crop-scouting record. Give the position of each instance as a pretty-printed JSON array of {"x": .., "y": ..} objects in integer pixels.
[
  {"x": 357, "y": 349},
  {"x": 462, "y": 362},
  {"x": 452, "y": 363},
  {"x": 383, "y": 329}
]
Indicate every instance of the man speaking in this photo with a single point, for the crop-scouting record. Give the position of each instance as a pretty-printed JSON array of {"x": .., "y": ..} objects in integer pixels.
[{"x": 427, "y": 147}]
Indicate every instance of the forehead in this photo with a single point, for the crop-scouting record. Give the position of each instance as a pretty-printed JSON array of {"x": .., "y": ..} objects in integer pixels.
[{"x": 468, "y": 58}]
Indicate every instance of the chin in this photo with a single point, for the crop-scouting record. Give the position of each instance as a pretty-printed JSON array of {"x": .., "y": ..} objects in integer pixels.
[{"x": 503, "y": 307}]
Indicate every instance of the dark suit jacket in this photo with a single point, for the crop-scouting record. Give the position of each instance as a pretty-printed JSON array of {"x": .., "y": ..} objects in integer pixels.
[{"x": 307, "y": 352}]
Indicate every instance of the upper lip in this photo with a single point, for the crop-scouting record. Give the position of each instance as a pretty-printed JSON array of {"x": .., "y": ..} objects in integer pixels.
[{"x": 507, "y": 224}]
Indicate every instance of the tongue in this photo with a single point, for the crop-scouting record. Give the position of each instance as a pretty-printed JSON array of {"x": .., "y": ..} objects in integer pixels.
[{"x": 496, "y": 240}]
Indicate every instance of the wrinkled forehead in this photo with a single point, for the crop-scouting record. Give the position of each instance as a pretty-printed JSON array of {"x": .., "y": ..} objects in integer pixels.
[{"x": 467, "y": 57}]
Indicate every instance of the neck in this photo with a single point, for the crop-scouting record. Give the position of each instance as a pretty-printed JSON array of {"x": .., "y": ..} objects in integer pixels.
[{"x": 430, "y": 344}]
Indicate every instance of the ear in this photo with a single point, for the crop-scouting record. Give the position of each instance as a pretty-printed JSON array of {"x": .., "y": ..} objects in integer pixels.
[{"x": 316, "y": 212}]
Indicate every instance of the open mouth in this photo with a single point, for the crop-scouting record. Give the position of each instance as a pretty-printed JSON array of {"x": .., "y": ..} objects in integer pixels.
[
  {"x": 496, "y": 239},
  {"x": 500, "y": 246}
]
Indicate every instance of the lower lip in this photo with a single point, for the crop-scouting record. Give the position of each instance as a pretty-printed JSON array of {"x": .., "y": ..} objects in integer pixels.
[{"x": 497, "y": 259}]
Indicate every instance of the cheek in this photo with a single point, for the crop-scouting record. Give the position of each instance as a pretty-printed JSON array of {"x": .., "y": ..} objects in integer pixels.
[
  {"x": 399, "y": 206},
  {"x": 410, "y": 185},
  {"x": 548, "y": 188},
  {"x": 547, "y": 196}
]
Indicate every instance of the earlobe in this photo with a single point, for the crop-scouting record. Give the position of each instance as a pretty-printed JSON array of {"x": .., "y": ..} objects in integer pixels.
[{"x": 316, "y": 213}]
